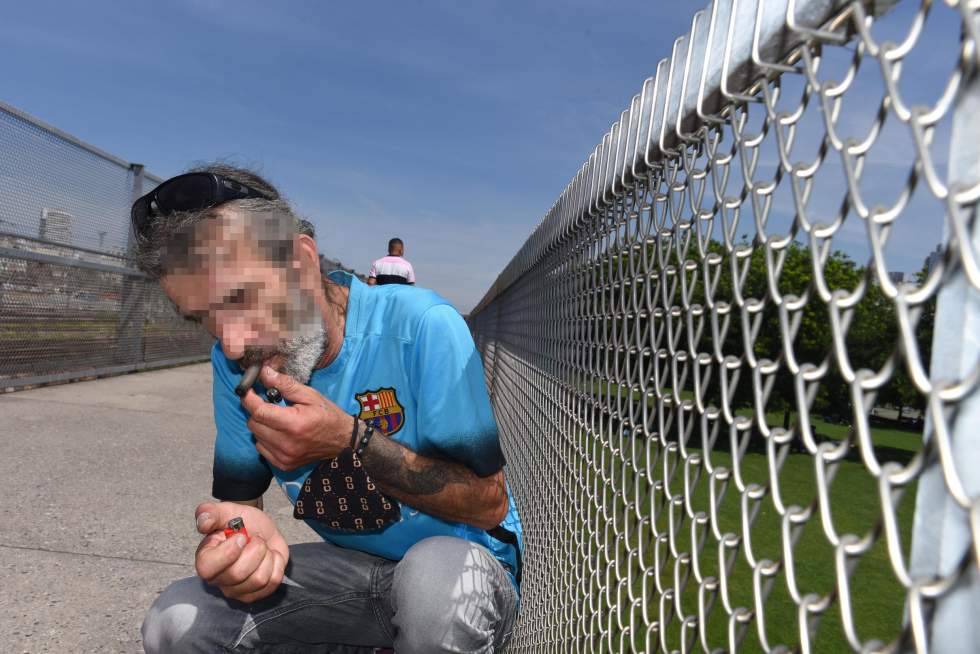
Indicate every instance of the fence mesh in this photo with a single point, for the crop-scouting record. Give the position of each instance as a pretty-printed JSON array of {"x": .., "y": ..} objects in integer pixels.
[
  {"x": 711, "y": 381},
  {"x": 70, "y": 304}
]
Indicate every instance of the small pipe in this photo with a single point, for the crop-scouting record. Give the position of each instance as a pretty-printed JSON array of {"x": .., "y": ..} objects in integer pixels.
[{"x": 248, "y": 379}]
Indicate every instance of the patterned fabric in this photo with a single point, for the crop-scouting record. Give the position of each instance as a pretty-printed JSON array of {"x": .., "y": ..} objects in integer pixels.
[{"x": 341, "y": 496}]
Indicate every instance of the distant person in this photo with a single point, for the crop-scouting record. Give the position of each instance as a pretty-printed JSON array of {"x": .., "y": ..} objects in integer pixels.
[{"x": 392, "y": 269}]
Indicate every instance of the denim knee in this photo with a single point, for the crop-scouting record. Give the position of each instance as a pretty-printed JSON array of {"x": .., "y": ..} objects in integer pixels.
[
  {"x": 174, "y": 622},
  {"x": 449, "y": 594}
]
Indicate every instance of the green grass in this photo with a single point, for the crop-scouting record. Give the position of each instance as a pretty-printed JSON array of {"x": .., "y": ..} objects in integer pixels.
[
  {"x": 882, "y": 437},
  {"x": 877, "y": 598},
  {"x": 877, "y": 595}
]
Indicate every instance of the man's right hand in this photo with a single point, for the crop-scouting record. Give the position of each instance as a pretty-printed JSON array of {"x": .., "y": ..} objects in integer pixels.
[{"x": 243, "y": 572}]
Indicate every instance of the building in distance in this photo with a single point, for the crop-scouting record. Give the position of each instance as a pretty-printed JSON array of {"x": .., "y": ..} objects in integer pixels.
[{"x": 55, "y": 226}]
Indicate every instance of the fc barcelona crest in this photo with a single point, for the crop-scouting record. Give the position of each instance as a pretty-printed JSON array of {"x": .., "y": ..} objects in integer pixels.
[{"x": 381, "y": 409}]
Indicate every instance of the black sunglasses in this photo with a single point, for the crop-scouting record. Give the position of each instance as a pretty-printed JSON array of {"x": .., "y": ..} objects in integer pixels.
[{"x": 189, "y": 192}]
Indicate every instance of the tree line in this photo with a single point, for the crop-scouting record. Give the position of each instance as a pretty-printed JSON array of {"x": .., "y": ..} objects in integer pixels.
[{"x": 871, "y": 337}]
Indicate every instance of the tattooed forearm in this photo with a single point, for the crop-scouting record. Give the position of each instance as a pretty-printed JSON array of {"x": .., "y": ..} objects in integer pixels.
[
  {"x": 442, "y": 488},
  {"x": 392, "y": 465}
]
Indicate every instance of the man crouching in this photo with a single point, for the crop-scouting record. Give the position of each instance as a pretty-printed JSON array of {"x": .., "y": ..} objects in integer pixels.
[{"x": 371, "y": 413}]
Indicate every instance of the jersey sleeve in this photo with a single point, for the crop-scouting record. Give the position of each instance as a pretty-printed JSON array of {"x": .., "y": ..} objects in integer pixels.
[
  {"x": 374, "y": 270},
  {"x": 411, "y": 273},
  {"x": 454, "y": 416},
  {"x": 239, "y": 472}
]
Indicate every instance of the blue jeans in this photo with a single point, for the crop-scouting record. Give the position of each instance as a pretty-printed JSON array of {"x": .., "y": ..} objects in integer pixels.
[{"x": 445, "y": 595}]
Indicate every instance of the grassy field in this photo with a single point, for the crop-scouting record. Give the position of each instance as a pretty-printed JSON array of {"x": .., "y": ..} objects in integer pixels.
[
  {"x": 877, "y": 598},
  {"x": 885, "y": 439},
  {"x": 876, "y": 595}
]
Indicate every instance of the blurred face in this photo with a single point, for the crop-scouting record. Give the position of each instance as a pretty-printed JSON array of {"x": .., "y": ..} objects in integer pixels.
[{"x": 260, "y": 310}]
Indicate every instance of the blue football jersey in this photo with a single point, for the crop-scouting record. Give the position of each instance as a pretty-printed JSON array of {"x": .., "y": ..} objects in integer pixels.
[{"x": 408, "y": 363}]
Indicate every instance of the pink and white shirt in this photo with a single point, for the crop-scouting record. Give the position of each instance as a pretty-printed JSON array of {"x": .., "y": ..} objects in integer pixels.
[{"x": 392, "y": 270}]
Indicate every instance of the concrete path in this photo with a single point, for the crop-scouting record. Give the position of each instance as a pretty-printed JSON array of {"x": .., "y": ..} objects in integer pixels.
[{"x": 99, "y": 482}]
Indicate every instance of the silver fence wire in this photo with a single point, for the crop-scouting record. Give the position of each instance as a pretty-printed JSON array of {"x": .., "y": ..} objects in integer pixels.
[
  {"x": 71, "y": 304},
  {"x": 735, "y": 366}
]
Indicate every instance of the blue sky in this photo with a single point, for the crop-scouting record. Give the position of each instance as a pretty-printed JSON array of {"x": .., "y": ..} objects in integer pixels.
[{"x": 454, "y": 125}]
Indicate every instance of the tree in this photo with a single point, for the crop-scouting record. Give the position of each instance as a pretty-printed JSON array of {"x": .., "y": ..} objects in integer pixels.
[
  {"x": 871, "y": 335},
  {"x": 900, "y": 392}
]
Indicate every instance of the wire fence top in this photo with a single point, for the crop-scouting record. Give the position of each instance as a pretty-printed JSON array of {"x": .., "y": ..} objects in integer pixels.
[
  {"x": 74, "y": 140},
  {"x": 731, "y": 47}
]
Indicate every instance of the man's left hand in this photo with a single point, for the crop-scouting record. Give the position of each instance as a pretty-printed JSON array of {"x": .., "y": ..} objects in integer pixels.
[{"x": 289, "y": 437}]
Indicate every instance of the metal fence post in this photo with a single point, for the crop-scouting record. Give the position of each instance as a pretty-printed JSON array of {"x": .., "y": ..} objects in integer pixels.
[
  {"x": 943, "y": 537},
  {"x": 129, "y": 329}
]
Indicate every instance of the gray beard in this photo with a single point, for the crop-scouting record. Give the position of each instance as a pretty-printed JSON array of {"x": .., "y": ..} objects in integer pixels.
[{"x": 300, "y": 354}]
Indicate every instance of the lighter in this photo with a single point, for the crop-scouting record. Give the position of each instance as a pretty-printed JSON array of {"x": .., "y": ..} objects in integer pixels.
[{"x": 236, "y": 526}]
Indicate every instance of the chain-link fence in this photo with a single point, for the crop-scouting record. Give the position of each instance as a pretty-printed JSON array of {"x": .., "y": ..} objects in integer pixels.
[
  {"x": 70, "y": 303},
  {"x": 731, "y": 423}
]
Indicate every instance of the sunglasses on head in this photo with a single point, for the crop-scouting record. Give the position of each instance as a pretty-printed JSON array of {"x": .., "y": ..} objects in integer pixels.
[{"x": 189, "y": 192}]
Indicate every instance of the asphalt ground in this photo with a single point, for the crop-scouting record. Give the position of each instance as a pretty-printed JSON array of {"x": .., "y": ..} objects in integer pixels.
[{"x": 99, "y": 481}]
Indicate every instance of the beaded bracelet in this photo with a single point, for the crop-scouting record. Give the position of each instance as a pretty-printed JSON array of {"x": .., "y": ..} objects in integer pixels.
[{"x": 365, "y": 439}]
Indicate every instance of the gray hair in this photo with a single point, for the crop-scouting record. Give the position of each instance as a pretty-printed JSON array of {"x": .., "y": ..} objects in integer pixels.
[{"x": 168, "y": 243}]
